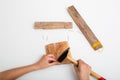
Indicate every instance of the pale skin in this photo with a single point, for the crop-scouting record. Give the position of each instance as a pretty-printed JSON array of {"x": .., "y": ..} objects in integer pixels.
[
  {"x": 44, "y": 62},
  {"x": 82, "y": 71}
]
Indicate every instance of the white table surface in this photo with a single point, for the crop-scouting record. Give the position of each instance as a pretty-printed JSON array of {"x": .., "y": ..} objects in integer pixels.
[{"x": 21, "y": 44}]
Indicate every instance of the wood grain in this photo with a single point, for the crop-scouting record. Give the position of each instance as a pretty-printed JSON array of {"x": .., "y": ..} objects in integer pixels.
[
  {"x": 87, "y": 32},
  {"x": 57, "y": 49},
  {"x": 53, "y": 25}
]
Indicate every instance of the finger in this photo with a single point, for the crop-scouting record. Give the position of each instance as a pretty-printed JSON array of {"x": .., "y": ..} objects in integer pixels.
[
  {"x": 51, "y": 60},
  {"x": 90, "y": 69},
  {"x": 83, "y": 63},
  {"x": 88, "y": 66},
  {"x": 79, "y": 62},
  {"x": 51, "y": 55},
  {"x": 53, "y": 63},
  {"x": 76, "y": 68}
]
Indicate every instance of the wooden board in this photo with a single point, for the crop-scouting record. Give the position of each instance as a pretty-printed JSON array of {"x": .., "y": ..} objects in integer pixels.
[
  {"x": 53, "y": 25},
  {"x": 57, "y": 49},
  {"x": 87, "y": 32}
]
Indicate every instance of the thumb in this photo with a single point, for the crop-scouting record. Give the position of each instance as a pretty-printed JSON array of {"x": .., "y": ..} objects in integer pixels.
[
  {"x": 76, "y": 68},
  {"x": 53, "y": 63}
]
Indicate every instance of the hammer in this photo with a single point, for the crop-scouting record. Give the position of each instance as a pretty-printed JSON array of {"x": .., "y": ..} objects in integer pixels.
[{"x": 64, "y": 55}]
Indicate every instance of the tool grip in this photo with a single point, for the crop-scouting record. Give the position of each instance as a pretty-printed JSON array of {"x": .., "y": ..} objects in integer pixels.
[{"x": 94, "y": 74}]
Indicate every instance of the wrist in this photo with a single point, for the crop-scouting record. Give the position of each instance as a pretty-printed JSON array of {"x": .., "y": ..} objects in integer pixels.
[
  {"x": 82, "y": 77},
  {"x": 35, "y": 66}
]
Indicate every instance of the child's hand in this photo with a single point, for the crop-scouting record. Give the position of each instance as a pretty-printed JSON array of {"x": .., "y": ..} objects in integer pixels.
[{"x": 45, "y": 61}]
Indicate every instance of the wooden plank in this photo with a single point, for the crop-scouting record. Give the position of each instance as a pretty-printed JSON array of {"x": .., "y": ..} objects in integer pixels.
[
  {"x": 53, "y": 25},
  {"x": 87, "y": 32},
  {"x": 57, "y": 49}
]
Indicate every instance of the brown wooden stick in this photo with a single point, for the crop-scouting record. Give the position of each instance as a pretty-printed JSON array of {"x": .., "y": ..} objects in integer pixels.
[
  {"x": 52, "y": 25},
  {"x": 94, "y": 42}
]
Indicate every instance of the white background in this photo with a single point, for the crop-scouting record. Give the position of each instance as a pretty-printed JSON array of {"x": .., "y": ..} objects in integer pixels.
[{"x": 21, "y": 44}]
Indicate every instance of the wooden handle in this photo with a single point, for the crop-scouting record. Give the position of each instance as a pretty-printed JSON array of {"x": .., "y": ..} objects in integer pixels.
[
  {"x": 94, "y": 74},
  {"x": 72, "y": 60}
]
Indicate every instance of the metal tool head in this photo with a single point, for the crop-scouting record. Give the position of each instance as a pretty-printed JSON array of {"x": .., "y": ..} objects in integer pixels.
[{"x": 63, "y": 55}]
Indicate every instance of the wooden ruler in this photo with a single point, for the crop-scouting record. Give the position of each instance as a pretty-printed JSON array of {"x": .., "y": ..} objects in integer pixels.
[
  {"x": 87, "y": 32},
  {"x": 53, "y": 25}
]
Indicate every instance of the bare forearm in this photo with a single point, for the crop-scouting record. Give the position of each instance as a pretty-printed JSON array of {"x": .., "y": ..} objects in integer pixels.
[
  {"x": 44, "y": 62},
  {"x": 15, "y": 73}
]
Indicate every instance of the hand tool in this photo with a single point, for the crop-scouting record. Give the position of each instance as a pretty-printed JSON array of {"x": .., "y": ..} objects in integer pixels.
[{"x": 64, "y": 55}]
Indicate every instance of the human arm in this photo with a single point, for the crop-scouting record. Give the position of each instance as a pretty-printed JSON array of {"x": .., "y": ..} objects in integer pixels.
[{"x": 44, "y": 62}]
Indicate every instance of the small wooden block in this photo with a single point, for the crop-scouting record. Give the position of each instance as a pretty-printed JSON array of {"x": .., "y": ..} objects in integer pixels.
[
  {"x": 57, "y": 49},
  {"x": 87, "y": 32},
  {"x": 53, "y": 25}
]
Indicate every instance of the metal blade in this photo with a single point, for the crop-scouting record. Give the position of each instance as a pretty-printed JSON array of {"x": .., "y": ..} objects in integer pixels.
[{"x": 63, "y": 55}]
